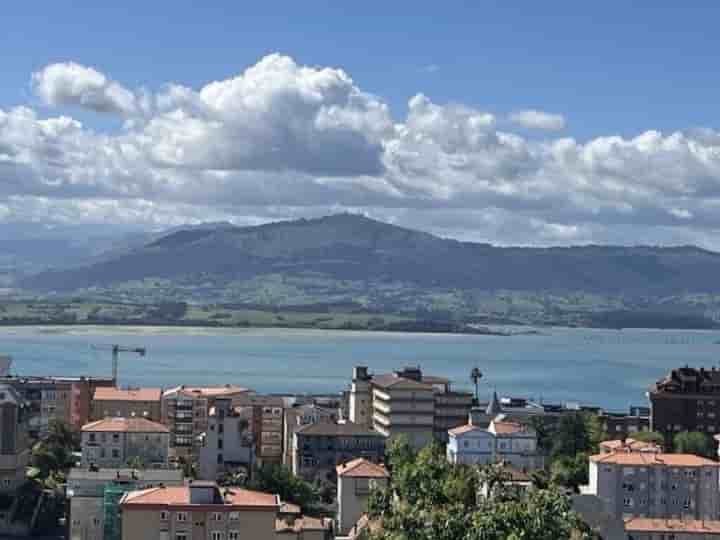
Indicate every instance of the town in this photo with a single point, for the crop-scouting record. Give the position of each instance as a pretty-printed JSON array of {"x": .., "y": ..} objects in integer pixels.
[{"x": 96, "y": 460}]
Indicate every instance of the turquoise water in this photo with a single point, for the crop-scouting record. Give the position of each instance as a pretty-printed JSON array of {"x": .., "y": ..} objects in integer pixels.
[{"x": 604, "y": 367}]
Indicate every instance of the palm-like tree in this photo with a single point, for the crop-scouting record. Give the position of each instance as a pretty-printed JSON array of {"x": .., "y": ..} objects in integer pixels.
[{"x": 475, "y": 376}]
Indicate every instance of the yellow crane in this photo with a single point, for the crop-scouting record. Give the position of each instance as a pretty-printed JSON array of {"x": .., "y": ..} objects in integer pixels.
[{"x": 116, "y": 350}]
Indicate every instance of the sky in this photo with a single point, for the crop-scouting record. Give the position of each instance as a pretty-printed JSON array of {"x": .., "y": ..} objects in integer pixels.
[{"x": 513, "y": 123}]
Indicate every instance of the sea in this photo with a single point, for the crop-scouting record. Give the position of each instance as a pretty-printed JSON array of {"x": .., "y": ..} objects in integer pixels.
[{"x": 608, "y": 368}]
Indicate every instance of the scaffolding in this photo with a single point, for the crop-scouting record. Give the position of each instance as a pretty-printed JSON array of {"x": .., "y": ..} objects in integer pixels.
[{"x": 112, "y": 520}]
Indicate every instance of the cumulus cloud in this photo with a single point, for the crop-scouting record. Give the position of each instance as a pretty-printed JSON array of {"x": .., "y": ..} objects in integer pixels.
[
  {"x": 69, "y": 83},
  {"x": 282, "y": 140},
  {"x": 532, "y": 119}
]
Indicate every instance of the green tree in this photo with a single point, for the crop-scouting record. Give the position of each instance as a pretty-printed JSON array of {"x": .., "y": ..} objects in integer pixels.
[
  {"x": 649, "y": 436},
  {"x": 693, "y": 442},
  {"x": 596, "y": 431},
  {"x": 280, "y": 480},
  {"x": 572, "y": 436},
  {"x": 570, "y": 472}
]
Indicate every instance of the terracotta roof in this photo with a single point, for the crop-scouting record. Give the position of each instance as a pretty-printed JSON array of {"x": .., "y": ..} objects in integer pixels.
[
  {"x": 338, "y": 430},
  {"x": 362, "y": 468},
  {"x": 467, "y": 428},
  {"x": 507, "y": 428},
  {"x": 104, "y": 393},
  {"x": 630, "y": 445},
  {"x": 672, "y": 525},
  {"x": 207, "y": 391},
  {"x": 652, "y": 458},
  {"x": 301, "y": 524},
  {"x": 289, "y": 508},
  {"x": 180, "y": 496},
  {"x": 130, "y": 425}
]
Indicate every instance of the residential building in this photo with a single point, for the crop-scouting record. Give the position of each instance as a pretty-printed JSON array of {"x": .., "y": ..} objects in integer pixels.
[
  {"x": 185, "y": 409},
  {"x": 202, "y": 510},
  {"x": 129, "y": 403},
  {"x": 319, "y": 448},
  {"x": 510, "y": 442},
  {"x": 66, "y": 399},
  {"x": 355, "y": 479},
  {"x": 92, "y": 495},
  {"x": 514, "y": 480},
  {"x": 267, "y": 414},
  {"x": 622, "y": 425},
  {"x": 227, "y": 446},
  {"x": 687, "y": 399},
  {"x": 302, "y": 415},
  {"x": 655, "y": 485},
  {"x": 115, "y": 442},
  {"x": 671, "y": 529},
  {"x": 14, "y": 444},
  {"x": 421, "y": 407}
]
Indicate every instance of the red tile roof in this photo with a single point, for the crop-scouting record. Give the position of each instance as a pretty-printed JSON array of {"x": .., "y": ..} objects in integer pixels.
[
  {"x": 507, "y": 428},
  {"x": 467, "y": 428},
  {"x": 650, "y": 458},
  {"x": 129, "y": 425},
  {"x": 180, "y": 496},
  {"x": 107, "y": 393},
  {"x": 672, "y": 525},
  {"x": 362, "y": 468}
]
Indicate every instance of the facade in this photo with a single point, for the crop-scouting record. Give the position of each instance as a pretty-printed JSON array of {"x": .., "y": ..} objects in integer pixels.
[
  {"x": 671, "y": 529},
  {"x": 355, "y": 479},
  {"x": 319, "y": 448},
  {"x": 185, "y": 409},
  {"x": 115, "y": 442},
  {"x": 655, "y": 485},
  {"x": 623, "y": 425},
  {"x": 14, "y": 444},
  {"x": 199, "y": 510},
  {"x": 502, "y": 441},
  {"x": 66, "y": 399},
  {"x": 406, "y": 402},
  {"x": 687, "y": 399},
  {"x": 227, "y": 446},
  {"x": 267, "y": 414},
  {"x": 137, "y": 402},
  {"x": 87, "y": 490},
  {"x": 303, "y": 415}
]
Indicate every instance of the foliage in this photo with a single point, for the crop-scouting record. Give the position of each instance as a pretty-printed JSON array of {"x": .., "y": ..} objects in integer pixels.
[
  {"x": 649, "y": 436},
  {"x": 693, "y": 442},
  {"x": 52, "y": 457},
  {"x": 280, "y": 480},
  {"x": 188, "y": 467},
  {"x": 571, "y": 472},
  {"x": 430, "y": 499},
  {"x": 572, "y": 436},
  {"x": 136, "y": 462},
  {"x": 545, "y": 429}
]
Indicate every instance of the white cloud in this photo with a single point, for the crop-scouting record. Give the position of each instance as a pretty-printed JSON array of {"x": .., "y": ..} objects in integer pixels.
[
  {"x": 283, "y": 140},
  {"x": 532, "y": 119},
  {"x": 72, "y": 84}
]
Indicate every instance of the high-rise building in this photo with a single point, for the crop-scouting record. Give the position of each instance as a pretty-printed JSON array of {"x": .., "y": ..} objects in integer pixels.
[{"x": 14, "y": 444}]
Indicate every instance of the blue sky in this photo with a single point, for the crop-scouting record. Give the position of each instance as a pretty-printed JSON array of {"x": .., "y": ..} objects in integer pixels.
[{"x": 607, "y": 69}]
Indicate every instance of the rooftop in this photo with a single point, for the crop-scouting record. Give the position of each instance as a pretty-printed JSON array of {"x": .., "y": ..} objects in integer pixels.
[
  {"x": 467, "y": 428},
  {"x": 672, "y": 526},
  {"x": 300, "y": 524},
  {"x": 180, "y": 496},
  {"x": 629, "y": 445},
  {"x": 643, "y": 459},
  {"x": 131, "y": 425},
  {"x": 206, "y": 391},
  {"x": 107, "y": 393},
  {"x": 362, "y": 468},
  {"x": 508, "y": 428},
  {"x": 337, "y": 430}
]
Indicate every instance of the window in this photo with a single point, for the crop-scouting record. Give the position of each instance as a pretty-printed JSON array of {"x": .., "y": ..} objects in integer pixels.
[
  {"x": 116, "y": 437},
  {"x": 217, "y": 535},
  {"x": 233, "y": 535},
  {"x": 181, "y": 517},
  {"x": 627, "y": 502},
  {"x": 115, "y": 453},
  {"x": 181, "y": 535},
  {"x": 221, "y": 428},
  {"x": 686, "y": 504},
  {"x": 234, "y": 516},
  {"x": 220, "y": 444},
  {"x": 466, "y": 444},
  {"x": 219, "y": 459},
  {"x": 217, "y": 516},
  {"x": 163, "y": 515},
  {"x": 92, "y": 437}
]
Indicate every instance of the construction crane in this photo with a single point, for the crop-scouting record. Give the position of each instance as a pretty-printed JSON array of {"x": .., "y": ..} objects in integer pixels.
[{"x": 116, "y": 350}]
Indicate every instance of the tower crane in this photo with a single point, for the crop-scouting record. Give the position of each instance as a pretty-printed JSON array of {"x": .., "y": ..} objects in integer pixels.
[{"x": 116, "y": 350}]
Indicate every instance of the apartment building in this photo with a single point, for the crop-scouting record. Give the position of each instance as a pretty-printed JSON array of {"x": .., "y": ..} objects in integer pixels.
[
  {"x": 66, "y": 399},
  {"x": 655, "y": 485},
  {"x": 128, "y": 403},
  {"x": 14, "y": 444},
  {"x": 185, "y": 409},
  {"x": 406, "y": 402},
  {"x": 355, "y": 479},
  {"x": 687, "y": 399},
  {"x": 93, "y": 494},
  {"x": 319, "y": 448},
  {"x": 267, "y": 413},
  {"x": 228, "y": 444},
  {"x": 510, "y": 442},
  {"x": 302, "y": 415},
  {"x": 116, "y": 442},
  {"x": 199, "y": 510}
]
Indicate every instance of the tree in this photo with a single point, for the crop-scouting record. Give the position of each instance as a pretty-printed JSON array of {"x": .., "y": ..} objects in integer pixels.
[
  {"x": 693, "y": 442},
  {"x": 572, "y": 436},
  {"x": 649, "y": 436},
  {"x": 430, "y": 499},
  {"x": 570, "y": 472},
  {"x": 280, "y": 480}
]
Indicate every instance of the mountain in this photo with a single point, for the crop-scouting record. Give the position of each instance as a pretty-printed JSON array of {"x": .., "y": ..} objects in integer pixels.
[{"x": 349, "y": 247}]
